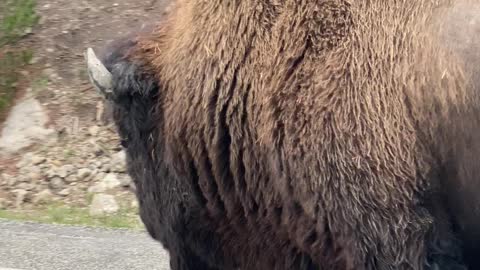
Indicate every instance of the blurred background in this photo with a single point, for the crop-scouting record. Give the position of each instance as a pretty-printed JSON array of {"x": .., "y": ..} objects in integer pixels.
[{"x": 60, "y": 158}]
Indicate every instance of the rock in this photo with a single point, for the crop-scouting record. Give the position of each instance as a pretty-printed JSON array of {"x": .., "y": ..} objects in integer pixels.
[
  {"x": 37, "y": 160},
  {"x": 30, "y": 174},
  {"x": 97, "y": 164},
  {"x": 105, "y": 168},
  {"x": 57, "y": 163},
  {"x": 44, "y": 166},
  {"x": 120, "y": 157},
  {"x": 118, "y": 163},
  {"x": 103, "y": 204},
  {"x": 62, "y": 173},
  {"x": 42, "y": 197},
  {"x": 72, "y": 178},
  {"x": 111, "y": 181},
  {"x": 8, "y": 180},
  {"x": 26, "y": 186},
  {"x": 65, "y": 170},
  {"x": 93, "y": 131},
  {"x": 97, "y": 188},
  {"x": 56, "y": 183},
  {"x": 26, "y": 170},
  {"x": 99, "y": 176},
  {"x": 125, "y": 180},
  {"x": 20, "y": 197},
  {"x": 134, "y": 203},
  {"x": 24, "y": 126},
  {"x": 35, "y": 176},
  {"x": 83, "y": 173},
  {"x": 64, "y": 192},
  {"x": 25, "y": 161},
  {"x": 3, "y": 203},
  {"x": 50, "y": 173}
]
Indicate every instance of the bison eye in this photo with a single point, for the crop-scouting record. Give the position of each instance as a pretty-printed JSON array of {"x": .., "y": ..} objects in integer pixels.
[{"x": 124, "y": 142}]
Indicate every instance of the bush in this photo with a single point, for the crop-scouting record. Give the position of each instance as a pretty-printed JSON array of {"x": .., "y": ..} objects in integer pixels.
[
  {"x": 10, "y": 62},
  {"x": 17, "y": 17}
]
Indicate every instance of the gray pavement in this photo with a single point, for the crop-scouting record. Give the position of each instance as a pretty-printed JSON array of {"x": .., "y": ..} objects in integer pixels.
[{"x": 32, "y": 246}]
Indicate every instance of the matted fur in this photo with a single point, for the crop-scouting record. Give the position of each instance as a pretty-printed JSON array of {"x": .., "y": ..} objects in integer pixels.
[{"x": 304, "y": 134}]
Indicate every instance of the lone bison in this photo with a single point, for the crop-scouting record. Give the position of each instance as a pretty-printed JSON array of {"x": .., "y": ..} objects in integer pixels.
[{"x": 304, "y": 134}]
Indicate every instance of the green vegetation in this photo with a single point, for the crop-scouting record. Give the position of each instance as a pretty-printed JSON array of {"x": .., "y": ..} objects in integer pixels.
[
  {"x": 10, "y": 62},
  {"x": 61, "y": 214},
  {"x": 17, "y": 17}
]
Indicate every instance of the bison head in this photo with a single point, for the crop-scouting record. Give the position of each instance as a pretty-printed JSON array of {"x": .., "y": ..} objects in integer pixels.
[
  {"x": 132, "y": 91},
  {"x": 127, "y": 86}
]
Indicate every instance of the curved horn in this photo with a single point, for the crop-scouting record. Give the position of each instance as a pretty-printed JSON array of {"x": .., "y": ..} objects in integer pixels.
[{"x": 98, "y": 74}]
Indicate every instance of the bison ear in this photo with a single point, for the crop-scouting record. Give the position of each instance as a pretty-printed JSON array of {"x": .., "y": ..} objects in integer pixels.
[{"x": 99, "y": 75}]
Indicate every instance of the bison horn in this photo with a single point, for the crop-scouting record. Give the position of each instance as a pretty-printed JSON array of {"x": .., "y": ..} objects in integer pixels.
[{"x": 98, "y": 74}]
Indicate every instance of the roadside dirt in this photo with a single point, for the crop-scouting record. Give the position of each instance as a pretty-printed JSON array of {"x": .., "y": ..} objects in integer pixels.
[
  {"x": 57, "y": 78},
  {"x": 65, "y": 30}
]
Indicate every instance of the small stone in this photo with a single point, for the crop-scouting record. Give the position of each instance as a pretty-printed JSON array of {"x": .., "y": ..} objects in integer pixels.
[
  {"x": 99, "y": 177},
  {"x": 118, "y": 162},
  {"x": 35, "y": 59},
  {"x": 72, "y": 178},
  {"x": 119, "y": 157},
  {"x": 111, "y": 181},
  {"x": 37, "y": 160},
  {"x": 50, "y": 173},
  {"x": 56, "y": 183},
  {"x": 62, "y": 173},
  {"x": 93, "y": 130},
  {"x": 25, "y": 161},
  {"x": 97, "y": 164},
  {"x": 83, "y": 173},
  {"x": 8, "y": 180},
  {"x": 3, "y": 203},
  {"x": 134, "y": 204},
  {"x": 57, "y": 163},
  {"x": 29, "y": 169},
  {"x": 125, "y": 180},
  {"x": 20, "y": 197},
  {"x": 26, "y": 186},
  {"x": 43, "y": 196},
  {"x": 64, "y": 192},
  {"x": 103, "y": 204},
  {"x": 34, "y": 176},
  {"x": 97, "y": 188},
  {"x": 105, "y": 168},
  {"x": 65, "y": 170}
]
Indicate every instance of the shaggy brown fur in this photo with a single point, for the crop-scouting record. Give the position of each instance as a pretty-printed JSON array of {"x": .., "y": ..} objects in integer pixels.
[{"x": 305, "y": 134}]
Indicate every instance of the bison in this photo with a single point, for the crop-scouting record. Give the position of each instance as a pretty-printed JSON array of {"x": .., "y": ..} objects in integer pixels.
[{"x": 304, "y": 134}]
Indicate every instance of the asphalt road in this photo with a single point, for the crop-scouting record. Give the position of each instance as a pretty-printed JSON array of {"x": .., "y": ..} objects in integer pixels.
[{"x": 31, "y": 246}]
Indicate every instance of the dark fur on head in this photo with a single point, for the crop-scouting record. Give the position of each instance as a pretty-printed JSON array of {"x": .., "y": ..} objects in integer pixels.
[{"x": 303, "y": 135}]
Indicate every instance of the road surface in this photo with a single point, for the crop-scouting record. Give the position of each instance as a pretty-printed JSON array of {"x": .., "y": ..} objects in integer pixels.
[{"x": 31, "y": 246}]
